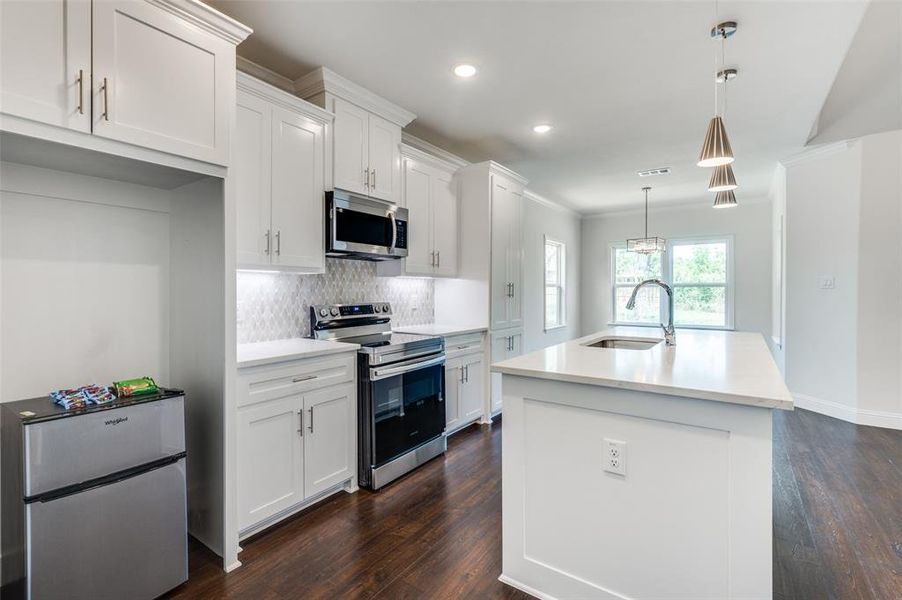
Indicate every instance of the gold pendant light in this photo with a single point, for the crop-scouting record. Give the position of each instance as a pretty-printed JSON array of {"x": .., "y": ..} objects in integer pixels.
[
  {"x": 716, "y": 149},
  {"x": 646, "y": 245},
  {"x": 725, "y": 200},
  {"x": 722, "y": 179}
]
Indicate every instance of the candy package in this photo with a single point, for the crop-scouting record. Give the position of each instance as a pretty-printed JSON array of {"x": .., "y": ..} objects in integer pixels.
[
  {"x": 98, "y": 394},
  {"x": 136, "y": 387},
  {"x": 70, "y": 398}
]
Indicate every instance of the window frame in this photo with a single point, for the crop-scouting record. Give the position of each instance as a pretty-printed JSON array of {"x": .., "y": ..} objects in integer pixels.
[
  {"x": 667, "y": 276},
  {"x": 561, "y": 285}
]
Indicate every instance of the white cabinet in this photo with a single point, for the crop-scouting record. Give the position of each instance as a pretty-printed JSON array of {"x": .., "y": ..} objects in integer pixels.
[
  {"x": 45, "y": 62},
  {"x": 366, "y": 144},
  {"x": 429, "y": 192},
  {"x": 297, "y": 436},
  {"x": 366, "y": 153},
  {"x": 507, "y": 254},
  {"x": 125, "y": 70},
  {"x": 505, "y": 345},
  {"x": 454, "y": 375},
  {"x": 278, "y": 174},
  {"x": 464, "y": 380}
]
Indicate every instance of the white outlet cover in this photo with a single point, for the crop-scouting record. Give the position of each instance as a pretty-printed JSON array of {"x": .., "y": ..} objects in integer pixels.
[
  {"x": 826, "y": 282},
  {"x": 615, "y": 457}
]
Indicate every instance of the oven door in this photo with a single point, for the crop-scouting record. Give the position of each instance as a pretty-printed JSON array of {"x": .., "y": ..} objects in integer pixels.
[
  {"x": 408, "y": 406},
  {"x": 361, "y": 226}
]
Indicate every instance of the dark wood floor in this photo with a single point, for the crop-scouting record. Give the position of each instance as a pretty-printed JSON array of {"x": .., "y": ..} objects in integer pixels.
[{"x": 437, "y": 533}]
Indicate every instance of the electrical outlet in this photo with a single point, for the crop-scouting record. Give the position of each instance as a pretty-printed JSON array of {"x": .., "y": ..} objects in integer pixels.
[
  {"x": 615, "y": 457},
  {"x": 826, "y": 282}
]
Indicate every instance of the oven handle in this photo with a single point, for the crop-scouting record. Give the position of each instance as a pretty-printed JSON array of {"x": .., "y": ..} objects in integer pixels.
[
  {"x": 379, "y": 373},
  {"x": 394, "y": 229}
]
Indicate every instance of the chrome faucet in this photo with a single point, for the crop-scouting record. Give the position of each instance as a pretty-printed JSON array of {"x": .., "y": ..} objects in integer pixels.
[{"x": 669, "y": 333}]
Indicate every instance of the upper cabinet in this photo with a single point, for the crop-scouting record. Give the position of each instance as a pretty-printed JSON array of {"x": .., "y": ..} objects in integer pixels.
[
  {"x": 507, "y": 253},
  {"x": 278, "y": 177},
  {"x": 366, "y": 148},
  {"x": 153, "y": 74},
  {"x": 429, "y": 192}
]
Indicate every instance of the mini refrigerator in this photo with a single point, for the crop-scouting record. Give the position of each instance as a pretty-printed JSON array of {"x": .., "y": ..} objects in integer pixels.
[{"x": 94, "y": 499}]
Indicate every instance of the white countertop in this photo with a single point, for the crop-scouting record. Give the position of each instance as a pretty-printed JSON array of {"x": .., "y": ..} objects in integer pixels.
[
  {"x": 438, "y": 329},
  {"x": 723, "y": 366},
  {"x": 262, "y": 353}
]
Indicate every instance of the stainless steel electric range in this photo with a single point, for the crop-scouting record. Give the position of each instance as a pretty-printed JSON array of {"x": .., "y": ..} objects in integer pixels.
[{"x": 400, "y": 389}]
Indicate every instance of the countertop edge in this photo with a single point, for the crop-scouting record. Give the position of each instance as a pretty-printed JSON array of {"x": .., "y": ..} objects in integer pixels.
[
  {"x": 709, "y": 395},
  {"x": 453, "y": 329},
  {"x": 256, "y": 362}
]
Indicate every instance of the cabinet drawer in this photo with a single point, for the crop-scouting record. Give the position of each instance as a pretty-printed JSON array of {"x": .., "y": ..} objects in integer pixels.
[
  {"x": 258, "y": 384},
  {"x": 458, "y": 345}
]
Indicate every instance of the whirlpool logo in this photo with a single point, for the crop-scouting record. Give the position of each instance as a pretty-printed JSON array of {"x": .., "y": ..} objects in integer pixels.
[{"x": 116, "y": 421}]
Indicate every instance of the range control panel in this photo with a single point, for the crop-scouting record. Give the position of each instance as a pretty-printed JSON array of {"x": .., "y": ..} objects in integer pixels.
[{"x": 331, "y": 312}]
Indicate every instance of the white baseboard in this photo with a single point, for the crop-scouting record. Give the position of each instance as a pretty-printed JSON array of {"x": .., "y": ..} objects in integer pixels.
[
  {"x": 524, "y": 588},
  {"x": 873, "y": 418}
]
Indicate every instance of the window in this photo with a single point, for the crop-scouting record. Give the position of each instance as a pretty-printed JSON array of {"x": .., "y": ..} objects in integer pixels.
[
  {"x": 555, "y": 274},
  {"x": 700, "y": 272}
]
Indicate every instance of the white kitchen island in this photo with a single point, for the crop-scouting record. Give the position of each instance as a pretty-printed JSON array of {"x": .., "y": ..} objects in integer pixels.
[{"x": 690, "y": 428}]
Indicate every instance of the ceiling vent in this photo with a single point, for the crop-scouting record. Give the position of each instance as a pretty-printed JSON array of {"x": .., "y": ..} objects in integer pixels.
[{"x": 653, "y": 172}]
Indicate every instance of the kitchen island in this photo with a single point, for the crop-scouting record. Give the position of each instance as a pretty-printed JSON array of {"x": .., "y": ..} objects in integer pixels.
[{"x": 633, "y": 469}]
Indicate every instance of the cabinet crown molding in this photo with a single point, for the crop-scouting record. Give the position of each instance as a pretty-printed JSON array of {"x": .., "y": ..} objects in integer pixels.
[
  {"x": 411, "y": 142},
  {"x": 324, "y": 80},
  {"x": 207, "y": 18},
  {"x": 530, "y": 195},
  {"x": 422, "y": 156},
  {"x": 496, "y": 169},
  {"x": 279, "y": 97}
]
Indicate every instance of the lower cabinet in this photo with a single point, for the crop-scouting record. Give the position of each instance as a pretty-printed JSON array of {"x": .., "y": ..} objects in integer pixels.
[
  {"x": 506, "y": 344},
  {"x": 293, "y": 447},
  {"x": 464, "y": 391}
]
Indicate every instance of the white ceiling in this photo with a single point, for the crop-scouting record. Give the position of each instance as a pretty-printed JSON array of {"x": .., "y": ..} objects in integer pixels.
[{"x": 627, "y": 85}]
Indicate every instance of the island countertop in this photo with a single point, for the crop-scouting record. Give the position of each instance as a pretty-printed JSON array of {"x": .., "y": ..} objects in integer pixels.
[{"x": 722, "y": 366}]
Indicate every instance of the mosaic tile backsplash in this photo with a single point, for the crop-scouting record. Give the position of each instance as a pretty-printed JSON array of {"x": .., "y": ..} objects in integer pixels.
[{"x": 275, "y": 306}]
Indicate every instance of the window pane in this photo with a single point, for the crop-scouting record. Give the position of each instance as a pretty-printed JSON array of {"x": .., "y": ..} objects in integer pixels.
[
  {"x": 648, "y": 307},
  {"x": 553, "y": 312},
  {"x": 553, "y": 260},
  {"x": 700, "y": 263},
  {"x": 700, "y": 305},
  {"x": 630, "y": 267}
]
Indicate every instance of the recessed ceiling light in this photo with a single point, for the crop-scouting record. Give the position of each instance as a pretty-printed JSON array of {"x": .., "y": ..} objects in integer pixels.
[
  {"x": 465, "y": 71},
  {"x": 542, "y": 128}
]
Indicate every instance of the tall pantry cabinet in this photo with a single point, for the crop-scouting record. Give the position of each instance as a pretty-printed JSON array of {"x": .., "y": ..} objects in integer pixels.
[{"x": 488, "y": 289}]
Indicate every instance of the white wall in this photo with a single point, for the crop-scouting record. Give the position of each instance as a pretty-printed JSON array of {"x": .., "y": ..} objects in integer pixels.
[
  {"x": 778, "y": 264},
  {"x": 85, "y": 281},
  {"x": 542, "y": 219},
  {"x": 749, "y": 224},
  {"x": 844, "y": 221}
]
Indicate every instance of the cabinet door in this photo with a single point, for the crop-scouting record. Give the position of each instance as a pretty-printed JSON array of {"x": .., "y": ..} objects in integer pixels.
[
  {"x": 251, "y": 173},
  {"x": 384, "y": 159},
  {"x": 515, "y": 257},
  {"x": 297, "y": 191},
  {"x": 417, "y": 190},
  {"x": 329, "y": 438},
  {"x": 453, "y": 388},
  {"x": 472, "y": 391},
  {"x": 445, "y": 219},
  {"x": 351, "y": 130},
  {"x": 501, "y": 228},
  {"x": 161, "y": 82},
  {"x": 45, "y": 47},
  {"x": 270, "y": 459}
]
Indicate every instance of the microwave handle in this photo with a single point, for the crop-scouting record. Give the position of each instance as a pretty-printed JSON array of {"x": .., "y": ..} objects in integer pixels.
[{"x": 394, "y": 230}]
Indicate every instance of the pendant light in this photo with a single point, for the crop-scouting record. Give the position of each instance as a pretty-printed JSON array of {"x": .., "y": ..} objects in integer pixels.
[
  {"x": 646, "y": 245},
  {"x": 716, "y": 149},
  {"x": 722, "y": 179},
  {"x": 725, "y": 200}
]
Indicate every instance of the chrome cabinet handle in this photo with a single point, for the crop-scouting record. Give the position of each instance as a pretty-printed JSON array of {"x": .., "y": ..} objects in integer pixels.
[
  {"x": 438, "y": 258},
  {"x": 267, "y": 236},
  {"x": 301, "y": 419},
  {"x": 81, "y": 91},
  {"x": 106, "y": 100},
  {"x": 311, "y": 419},
  {"x": 278, "y": 242},
  {"x": 366, "y": 178},
  {"x": 374, "y": 179},
  {"x": 467, "y": 374},
  {"x": 461, "y": 374},
  {"x": 303, "y": 378},
  {"x": 512, "y": 289},
  {"x": 432, "y": 258}
]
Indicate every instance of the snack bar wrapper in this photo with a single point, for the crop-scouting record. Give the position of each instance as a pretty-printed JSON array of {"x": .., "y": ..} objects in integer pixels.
[{"x": 136, "y": 387}]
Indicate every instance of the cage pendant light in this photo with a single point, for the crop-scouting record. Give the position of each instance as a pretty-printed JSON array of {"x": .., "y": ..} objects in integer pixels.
[
  {"x": 716, "y": 149},
  {"x": 722, "y": 179},
  {"x": 725, "y": 200},
  {"x": 646, "y": 245}
]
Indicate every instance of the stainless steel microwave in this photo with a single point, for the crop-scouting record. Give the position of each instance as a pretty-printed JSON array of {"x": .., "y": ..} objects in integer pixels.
[{"x": 364, "y": 228}]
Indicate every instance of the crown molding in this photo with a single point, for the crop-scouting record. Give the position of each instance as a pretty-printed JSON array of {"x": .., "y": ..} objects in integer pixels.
[
  {"x": 428, "y": 158},
  {"x": 530, "y": 195},
  {"x": 324, "y": 80},
  {"x": 264, "y": 74},
  {"x": 497, "y": 169},
  {"x": 413, "y": 142},
  {"x": 675, "y": 206},
  {"x": 251, "y": 85},
  {"x": 817, "y": 152},
  {"x": 207, "y": 18}
]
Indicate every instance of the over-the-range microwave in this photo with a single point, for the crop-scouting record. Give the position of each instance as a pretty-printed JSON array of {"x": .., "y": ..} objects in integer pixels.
[{"x": 364, "y": 228}]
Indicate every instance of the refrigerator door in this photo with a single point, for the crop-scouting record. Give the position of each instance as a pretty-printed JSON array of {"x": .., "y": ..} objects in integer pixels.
[
  {"x": 125, "y": 539},
  {"x": 74, "y": 449}
]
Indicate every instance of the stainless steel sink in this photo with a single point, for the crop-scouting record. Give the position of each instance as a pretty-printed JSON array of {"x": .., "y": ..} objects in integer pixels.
[{"x": 619, "y": 343}]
